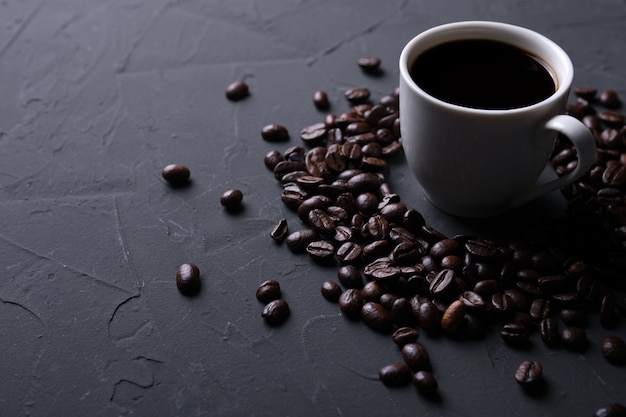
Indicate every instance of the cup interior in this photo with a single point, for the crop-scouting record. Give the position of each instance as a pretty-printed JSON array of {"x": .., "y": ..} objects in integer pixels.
[{"x": 531, "y": 42}]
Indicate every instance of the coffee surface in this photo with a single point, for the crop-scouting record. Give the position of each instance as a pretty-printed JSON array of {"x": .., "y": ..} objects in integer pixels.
[{"x": 483, "y": 74}]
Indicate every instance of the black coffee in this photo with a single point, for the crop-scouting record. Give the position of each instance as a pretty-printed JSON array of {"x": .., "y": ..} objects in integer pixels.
[{"x": 483, "y": 74}]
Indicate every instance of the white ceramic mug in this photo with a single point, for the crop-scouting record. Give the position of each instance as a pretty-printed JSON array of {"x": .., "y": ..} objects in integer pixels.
[{"x": 475, "y": 162}]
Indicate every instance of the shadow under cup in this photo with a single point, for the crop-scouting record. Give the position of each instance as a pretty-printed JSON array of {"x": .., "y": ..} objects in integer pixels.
[{"x": 476, "y": 162}]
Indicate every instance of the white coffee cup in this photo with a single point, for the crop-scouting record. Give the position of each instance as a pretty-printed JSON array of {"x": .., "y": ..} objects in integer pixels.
[{"x": 480, "y": 162}]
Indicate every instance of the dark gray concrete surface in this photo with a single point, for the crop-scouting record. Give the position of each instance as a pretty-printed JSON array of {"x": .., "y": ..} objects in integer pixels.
[{"x": 97, "y": 96}]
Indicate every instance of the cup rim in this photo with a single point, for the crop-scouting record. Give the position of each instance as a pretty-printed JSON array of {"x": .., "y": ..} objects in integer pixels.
[{"x": 481, "y": 30}]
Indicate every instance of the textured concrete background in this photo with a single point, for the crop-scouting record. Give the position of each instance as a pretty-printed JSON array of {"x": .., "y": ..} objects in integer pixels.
[{"x": 97, "y": 96}]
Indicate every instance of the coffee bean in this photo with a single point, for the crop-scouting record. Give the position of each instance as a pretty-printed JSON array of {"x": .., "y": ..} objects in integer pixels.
[
  {"x": 369, "y": 64},
  {"x": 611, "y": 410},
  {"x": 176, "y": 174},
  {"x": 613, "y": 349},
  {"x": 425, "y": 382},
  {"x": 331, "y": 291},
  {"x": 357, "y": 95},
  {"x": 313, "y": 134},
  {"x": 395, "y": 375},
  {"x": 416, "y": 357},
  {"x": 608, "y": 311},
  {"x": 280, "y": 231},
  {"x": 549, "y": 331},
  {"x": 474, "y": 303},
  {"x": 188, "y": 279},
  {"x": 320, "y": 99},
  {"x": 350, "y": 303},
  {"x": 272, "y": 158},
  {"x": 586, "y": 93},
  {"x": 443, "y": 285},
  {"x": 372, "y": 291},
  {"x": 515, "y": 335},
  {"x": 453, "y": 318},
  {"x": 377, "y": 317},
  {"x": 268, "y": 291},
  {"x": 609, "y": 99},
  {"x": 321, "y": 250},
  {"x": 574, "y": 338},
  {"x": 275, "y": 133},
  {"x": 350, "y": 276},
  {"x": 349, "y": 253},
  {"x": 573, "y": 317},
  {"x": 404, "y": 335},
  {"x": 237, "y": 91},
  {"x": 231, "y": 199},
  {"x": 276, "y": 312},
  {"x": 540, "y": 309},
  {"x": 529, "y": 373},
  {"x": 429, "y": 318}
]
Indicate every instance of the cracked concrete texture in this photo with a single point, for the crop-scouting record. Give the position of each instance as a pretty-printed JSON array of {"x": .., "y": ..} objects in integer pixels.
[{"x": 99, "y": 96}]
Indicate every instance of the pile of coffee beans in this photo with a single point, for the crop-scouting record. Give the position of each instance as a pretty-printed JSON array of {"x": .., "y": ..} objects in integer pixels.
[{"x": 401, "y": 276}]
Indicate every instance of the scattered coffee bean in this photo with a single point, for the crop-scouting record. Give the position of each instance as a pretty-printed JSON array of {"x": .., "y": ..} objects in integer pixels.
[
  {"x": 574, "y": 338},
  {"x": 176, "y": 174},
  {"x": 416, "y": 357},
  {"x": 320, "y": 99},
  {"x": 609, "y": 99},
  {"x": 405, "y": 335},
  {"x": 453, "y": 318},
  {"x": 188, "y": 279},
  {"x": 515, "y": 335},
  {"x": 276, "y": 312},
  {"x": 350, "y": 303},
  {"x": 369, "y": 64},
  {"x": 331, "y": 291},
  {"x": 237, "y": 91},
  {"x": 280, "y": 231},
  {"x": 350, "y": 276},
  {"x": 376, "y": 317},
  {"x": 549, "y": 331},
  {"x": 275, "y": 133},
  {"x": 231, "y": 199},
  {"x": 529, "y": 373},
  {"x": 613, "y": 348},
  {"x": 425, "y": 382},
  {"x": 357, "y": 95},
  {"x": 268, "y": 291},
  {"x": 395, "y": 375}
]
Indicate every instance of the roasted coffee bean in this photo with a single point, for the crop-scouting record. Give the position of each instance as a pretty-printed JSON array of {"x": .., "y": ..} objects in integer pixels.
[
  {"x": 453, "y": 318},
  {"x": 315, "y": 162},
  {"x": 285, "y": 167},
  {"x": 378, "y": 227},
  {"x": 321, "y": 250},
  {"x": 387, "y": 299},
  {"x": 357, "y": 95},
  {"x": 395, "y": 375},
  {"x": 549, "y": 331},
  {"x": 349, "y": 252},
  {"x": 350, "y": 276},
  {"x": 488, "y": 287},
  {"x": 446, "y": 247},
  {"x": 319, "y": 220},
  {"x": 482, "y": 250},
  {"x": 369, "y": 64},
  {"x": 309, "y": 182},
  {"x": 443, "y": 285},
  {"x": 331, "y": 291},
  {"x": 313, "y": 134},
  {"x": 237, "y": 90},
  {"x": 272, "y": 158},
  {"x": 406, "y": 253},
  {"x": 350, "y": 303},
  {"x": 276, "y": 312},
  {"x": 367, "y": 203},
  {"x": 176, "y": 174},
  {"x": 529, "y": 374},
  {"x": 429, "y": 318},
  {"x": 553, "y": 283},
  {"x": 609, "y": 99},
  {"x": 515, "y": 335},
  {"x": 608, "y": 311},
  {"x": 503, "y": 305},
  {"x": 373, "y": 150},
  {"x": 611, "y": 410},
  {"x": 275, "y": 133},
  {"x": 377, "y": 317},
  {"x": 188, "y": 279},
  {"x": 574, "y": 338},
  {"x": 299, "y": 240},
  {"x": 376, "y": 249},
  {"x": 540, "y": 309},
  {"x": 519, "y": 299},
  {"x": 586, "y": 93},
  {"x": 405, "y": 335},
  {"x": 474, "y": 303},
  {"x": 231, "y": 199},
  {"x": 416, "y": 357},
  {"x": 320, "y": 99},
  {"x": 343, "y": 234},
  {"x": 372, "y": 291},
  {"x": 613, "y": 349},
  {"x": 268, "y": 291},
  {"x": 401, "y": 312},
  {"x": 280, "y": 231},
  {"x": 364, "y": 182},
  {"x": 425, "y": 383}
]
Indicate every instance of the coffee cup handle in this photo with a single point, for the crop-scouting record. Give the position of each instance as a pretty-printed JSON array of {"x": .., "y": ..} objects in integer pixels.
[{"x": 585, "y": 145}]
